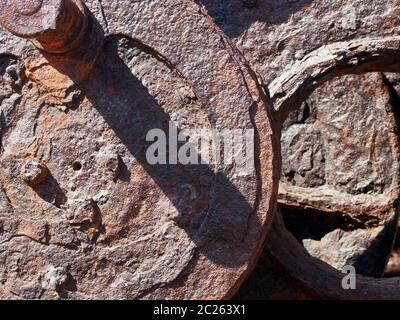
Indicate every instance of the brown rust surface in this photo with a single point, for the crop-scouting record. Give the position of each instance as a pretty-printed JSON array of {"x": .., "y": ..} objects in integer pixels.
[
  {"x": 32, "y": 18},
  {"x": 104, "y": 223},
  {"x": 272, "y": 35},
  {"x": 306, "y": 75},
  {"x": 371, "y": 204},
  {"x": 325, "y": 165},
  {"x": 69, "y": 39},
  {"x": 303, "y": 42},
  {"x": 319, "y": 278}
]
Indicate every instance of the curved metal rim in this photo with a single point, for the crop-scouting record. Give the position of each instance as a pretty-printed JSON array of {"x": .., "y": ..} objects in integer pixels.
[
  {"x": 296, "y": 84},
  {"x": 288, "y": 92},
  {"x": 228, "y": 82}
]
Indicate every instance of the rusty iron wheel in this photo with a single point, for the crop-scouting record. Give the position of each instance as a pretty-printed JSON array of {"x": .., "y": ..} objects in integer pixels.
[
  {"x": 288, "y": 92},
  {"x": 102, "y": 222}
]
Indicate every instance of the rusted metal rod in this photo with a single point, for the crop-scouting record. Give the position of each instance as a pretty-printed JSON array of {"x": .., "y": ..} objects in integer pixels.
[
  {"x": 68, "y": 36},
  {"x": 55, "y": 26}
]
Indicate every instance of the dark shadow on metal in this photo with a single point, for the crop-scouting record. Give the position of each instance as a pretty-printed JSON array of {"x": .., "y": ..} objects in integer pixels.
[
  {"x": 111, "y": 81},
  {"x": 235, "y": 16},
  {"x": 372, "y": 262}
]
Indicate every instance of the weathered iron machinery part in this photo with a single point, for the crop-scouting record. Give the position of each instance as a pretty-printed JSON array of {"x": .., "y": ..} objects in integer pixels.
[
  {"x": 341, "y": 171},
  {"x": 56, "y": 26},
  {"x": 319, "y": 279},
  {"x": 104, "y": 223},
  {"x": 296, "y": 274},
  {"x": 268, "y": 31},
  {"x": 68, "y": 36},
  {"x": 32, "y": 18},
  {"x": 268, "y": 35},
  {"x": 295, "y": 85},
  {"x": 370, "y": 217},
  {"x": 288, "y": 92},
  {"x": 275, "y": 34}
]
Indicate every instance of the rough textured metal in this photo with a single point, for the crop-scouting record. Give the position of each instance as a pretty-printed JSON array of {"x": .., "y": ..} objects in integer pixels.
[
  {"x": 296, "y": 83},
  {"x": 367, "y": 250},
  {"x": 277, "y": 36},
  {"x": 319, "y": 66},
  {"x": 270, "y": 281},
  {"x": 32, "y": 18},
  {"x": 68, "y": 36},
  {"x": 313, "y": 70},
  {"x": 106, "y": 224},
  {"x": 324, "y": 154},
  {"x": 274, "y": 35},
  {"x": 319, "y": 278},
  {"x": 57, "y": 26},
  {"x": 345, "y": 175},
  {"x": 294, "y": 274},
  {"x": 34, "y": 173}
]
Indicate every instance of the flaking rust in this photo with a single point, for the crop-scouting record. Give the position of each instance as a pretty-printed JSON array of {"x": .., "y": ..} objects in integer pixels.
[
  {"x": 84, "y": 215},
  {"x": 279, "y": 35},
  {"x": 68, "y": 37},
  {"x": 96, "y": 219}
]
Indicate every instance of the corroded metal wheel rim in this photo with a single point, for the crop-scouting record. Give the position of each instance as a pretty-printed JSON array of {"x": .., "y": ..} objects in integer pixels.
[
  {"x": 179, "y": 32},
  {"x": 229, "y": 240},
  {"x": 288, "y": 92}
]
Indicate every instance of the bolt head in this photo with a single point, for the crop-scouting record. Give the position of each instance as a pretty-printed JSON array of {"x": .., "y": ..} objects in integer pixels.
[
  {"x": 34, "y": 173},
  {"x": 30, "y": 18}
]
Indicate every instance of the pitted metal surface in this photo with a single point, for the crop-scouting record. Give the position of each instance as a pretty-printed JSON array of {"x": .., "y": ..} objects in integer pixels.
[
  {"x": 83, "y": 213},
  {"x": 282, "y": 37}
]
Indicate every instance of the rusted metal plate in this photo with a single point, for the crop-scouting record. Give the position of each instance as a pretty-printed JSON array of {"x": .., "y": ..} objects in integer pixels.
[
  {"x": 273, "y": 34},
  {"x": 298, "y": 81},
  {"x": 342, "y": 179},
  {"x": 328, "y": 156},
  {"x": 33, "y": 18},
  {"x": 69, "y": 39},
  {"x": 369, "y": 208},
  {"x": 313, "y": 274},
  {"x": 84, "y": 215},
  {"x": 277, "y": 36},
  {"x": 353, "y": 164}
]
